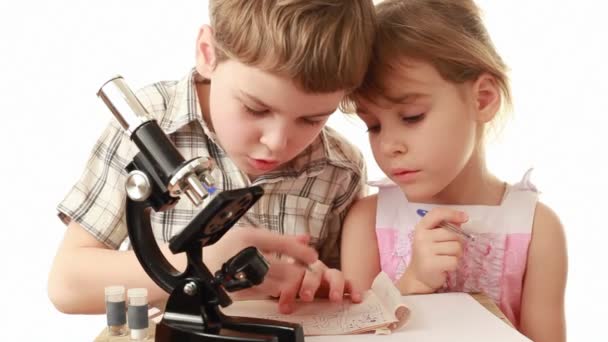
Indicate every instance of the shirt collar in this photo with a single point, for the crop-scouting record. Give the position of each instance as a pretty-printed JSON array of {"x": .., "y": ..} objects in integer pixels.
[{"x": 184, "y": 106}]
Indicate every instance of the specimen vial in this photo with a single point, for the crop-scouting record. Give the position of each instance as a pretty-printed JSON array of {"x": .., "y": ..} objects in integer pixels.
[
  {"x": 138, "y": 313},
  {"x": 116, "y": 310}
]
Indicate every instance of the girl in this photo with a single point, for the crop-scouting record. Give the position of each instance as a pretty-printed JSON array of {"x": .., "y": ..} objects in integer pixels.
[{"x": 433, "y": 88}]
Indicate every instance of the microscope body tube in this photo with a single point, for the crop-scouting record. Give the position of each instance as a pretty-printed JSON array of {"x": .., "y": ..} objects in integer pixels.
[
  {"x": 144, "y": 132},
  {"x": 154, "y": 144}
]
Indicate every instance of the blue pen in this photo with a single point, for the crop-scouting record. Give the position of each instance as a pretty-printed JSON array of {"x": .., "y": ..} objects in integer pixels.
[{"x": 447, "y": 225}]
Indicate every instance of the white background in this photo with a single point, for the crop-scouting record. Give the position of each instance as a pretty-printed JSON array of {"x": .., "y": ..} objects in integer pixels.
[{"x": 55, "y": 54}]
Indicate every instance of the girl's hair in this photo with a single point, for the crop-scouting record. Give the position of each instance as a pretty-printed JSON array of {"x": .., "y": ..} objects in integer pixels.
[{"x": 449, "y": 34}]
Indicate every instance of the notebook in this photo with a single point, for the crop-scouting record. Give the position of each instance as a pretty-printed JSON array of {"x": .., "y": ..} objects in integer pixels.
[{"x": 380, "y": 311}]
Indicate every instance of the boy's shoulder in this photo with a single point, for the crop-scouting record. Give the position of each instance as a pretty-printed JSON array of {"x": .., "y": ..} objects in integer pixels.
[
  {"x": 158, "y": 97},
  {"x": 172, "y": 103},
  {"x": 341, "y": 152}
]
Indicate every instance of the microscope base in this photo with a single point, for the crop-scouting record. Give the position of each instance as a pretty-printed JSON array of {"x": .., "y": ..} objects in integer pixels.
[{"x": 197, "y": 318}]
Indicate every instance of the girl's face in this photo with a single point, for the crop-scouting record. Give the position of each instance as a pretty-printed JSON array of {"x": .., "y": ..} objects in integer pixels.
[{"x": 422, "y": 129}]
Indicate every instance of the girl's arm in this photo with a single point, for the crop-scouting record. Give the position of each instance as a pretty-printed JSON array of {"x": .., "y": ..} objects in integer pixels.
[
  {"x": 542, "y": 306},
  {"x": 359, "y": 248}
]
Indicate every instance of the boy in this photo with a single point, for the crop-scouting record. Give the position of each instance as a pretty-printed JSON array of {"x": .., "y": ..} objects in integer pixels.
[{"x": 268, "y": 75}]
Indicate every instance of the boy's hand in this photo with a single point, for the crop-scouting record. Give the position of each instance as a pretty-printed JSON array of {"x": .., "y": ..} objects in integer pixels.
[
  {"x": 435, "y": 251},
  {"x": 285, "y": 279},
  {"x": 320, "y": 282},
  {"x": 269, "y": 244},
  {"x": 327, "y": 282}
]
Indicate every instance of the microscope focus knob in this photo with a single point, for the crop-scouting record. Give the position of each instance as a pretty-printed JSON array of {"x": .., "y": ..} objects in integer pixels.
[{"x": 138, "y": 186}]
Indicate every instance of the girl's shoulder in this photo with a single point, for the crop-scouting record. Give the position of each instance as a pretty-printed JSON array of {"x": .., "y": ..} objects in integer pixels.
[
  {"x": 362, "y": 214},
  {"x": 367, "y": 204},
  {"x": 546, "y": 224}
]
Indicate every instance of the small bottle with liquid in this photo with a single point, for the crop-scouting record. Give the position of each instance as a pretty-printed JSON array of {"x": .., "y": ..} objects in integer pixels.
[
  {"x": 138, "y": 313},
  {"x": 116, "y": 310}
]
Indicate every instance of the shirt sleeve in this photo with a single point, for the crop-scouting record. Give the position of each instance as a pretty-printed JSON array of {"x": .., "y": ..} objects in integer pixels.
[{"x": 97, "y": 200}]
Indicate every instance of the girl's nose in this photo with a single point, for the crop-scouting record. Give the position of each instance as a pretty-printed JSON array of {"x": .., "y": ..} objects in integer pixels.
[{"x": 393, "y": 147}]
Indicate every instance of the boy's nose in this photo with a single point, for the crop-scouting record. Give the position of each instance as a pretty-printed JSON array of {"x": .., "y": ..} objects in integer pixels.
[{"x": 275, "y": 138}]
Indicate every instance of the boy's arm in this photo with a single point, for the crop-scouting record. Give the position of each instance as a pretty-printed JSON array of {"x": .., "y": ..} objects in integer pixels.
[
  {"x": 542, "y": 305},
  {"x": 360, "y": 259},
  {"x": 83, "y": 266}
]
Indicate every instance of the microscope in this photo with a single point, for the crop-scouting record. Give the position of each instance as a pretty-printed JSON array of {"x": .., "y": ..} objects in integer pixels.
[{"x": 158, "y": 176}]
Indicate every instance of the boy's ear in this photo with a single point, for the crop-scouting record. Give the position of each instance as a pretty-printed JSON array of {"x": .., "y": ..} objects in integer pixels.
[
  {"x": 205, "y": 52},
  {"x": 487, "y": 97}
]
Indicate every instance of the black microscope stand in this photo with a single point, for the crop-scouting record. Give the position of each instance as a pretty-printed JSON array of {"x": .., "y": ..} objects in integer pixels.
[{"x": 192, "y": 312}]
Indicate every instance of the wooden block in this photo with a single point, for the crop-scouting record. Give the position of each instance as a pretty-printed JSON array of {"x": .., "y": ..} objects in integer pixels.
[{"x": 103, "y": 336}]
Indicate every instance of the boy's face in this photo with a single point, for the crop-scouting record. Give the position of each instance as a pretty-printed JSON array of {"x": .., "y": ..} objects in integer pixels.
[
  {"x": 422, "y": 130},
  {"x": 261, "y": 120}
]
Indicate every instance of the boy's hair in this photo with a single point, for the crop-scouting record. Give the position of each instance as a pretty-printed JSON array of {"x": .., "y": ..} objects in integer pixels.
[
  {"x": 323, "y": 45},
  {"x": 449, "y": 34}
]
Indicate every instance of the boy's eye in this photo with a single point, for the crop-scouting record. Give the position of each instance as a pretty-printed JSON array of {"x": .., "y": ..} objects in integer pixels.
[
  {"x": 255, "y": 112},
  {"x": 412, "y": 118}
]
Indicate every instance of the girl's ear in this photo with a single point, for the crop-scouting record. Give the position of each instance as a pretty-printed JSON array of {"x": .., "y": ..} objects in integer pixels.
[
  {"x": 487, "y": 97},
  {"x": 205, "y": 52}
]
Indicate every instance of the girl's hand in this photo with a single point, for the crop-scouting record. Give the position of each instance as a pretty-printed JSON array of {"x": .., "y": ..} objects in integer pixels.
[{"x": 434, "y": 252}]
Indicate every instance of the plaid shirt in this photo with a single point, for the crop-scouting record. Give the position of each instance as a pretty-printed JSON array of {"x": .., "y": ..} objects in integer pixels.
[{"x": 308, "y": 195}]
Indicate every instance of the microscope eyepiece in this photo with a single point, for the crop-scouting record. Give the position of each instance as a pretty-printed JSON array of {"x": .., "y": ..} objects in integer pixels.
[{"x": 123, "y": 104}]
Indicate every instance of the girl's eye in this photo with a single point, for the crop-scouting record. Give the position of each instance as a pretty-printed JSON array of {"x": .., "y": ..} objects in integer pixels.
[
  {"x": 255, "y": 112},
  {"x": 373, "y": 129},
  {"x": 413, "y": 118},
  {"x": 312, "y": 122}
]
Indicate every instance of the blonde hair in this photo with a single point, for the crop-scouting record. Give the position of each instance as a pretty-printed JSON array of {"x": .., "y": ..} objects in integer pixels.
[
  {"x": 323, "y": 45},
  {"x": 449, "y": 34}
]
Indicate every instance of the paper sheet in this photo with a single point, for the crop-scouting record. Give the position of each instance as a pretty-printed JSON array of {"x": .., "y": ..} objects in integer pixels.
[
  {"x": 390, "y": 297},
  {"x": 442, "y": 317},
  {"x": 381, "y": 308}
]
